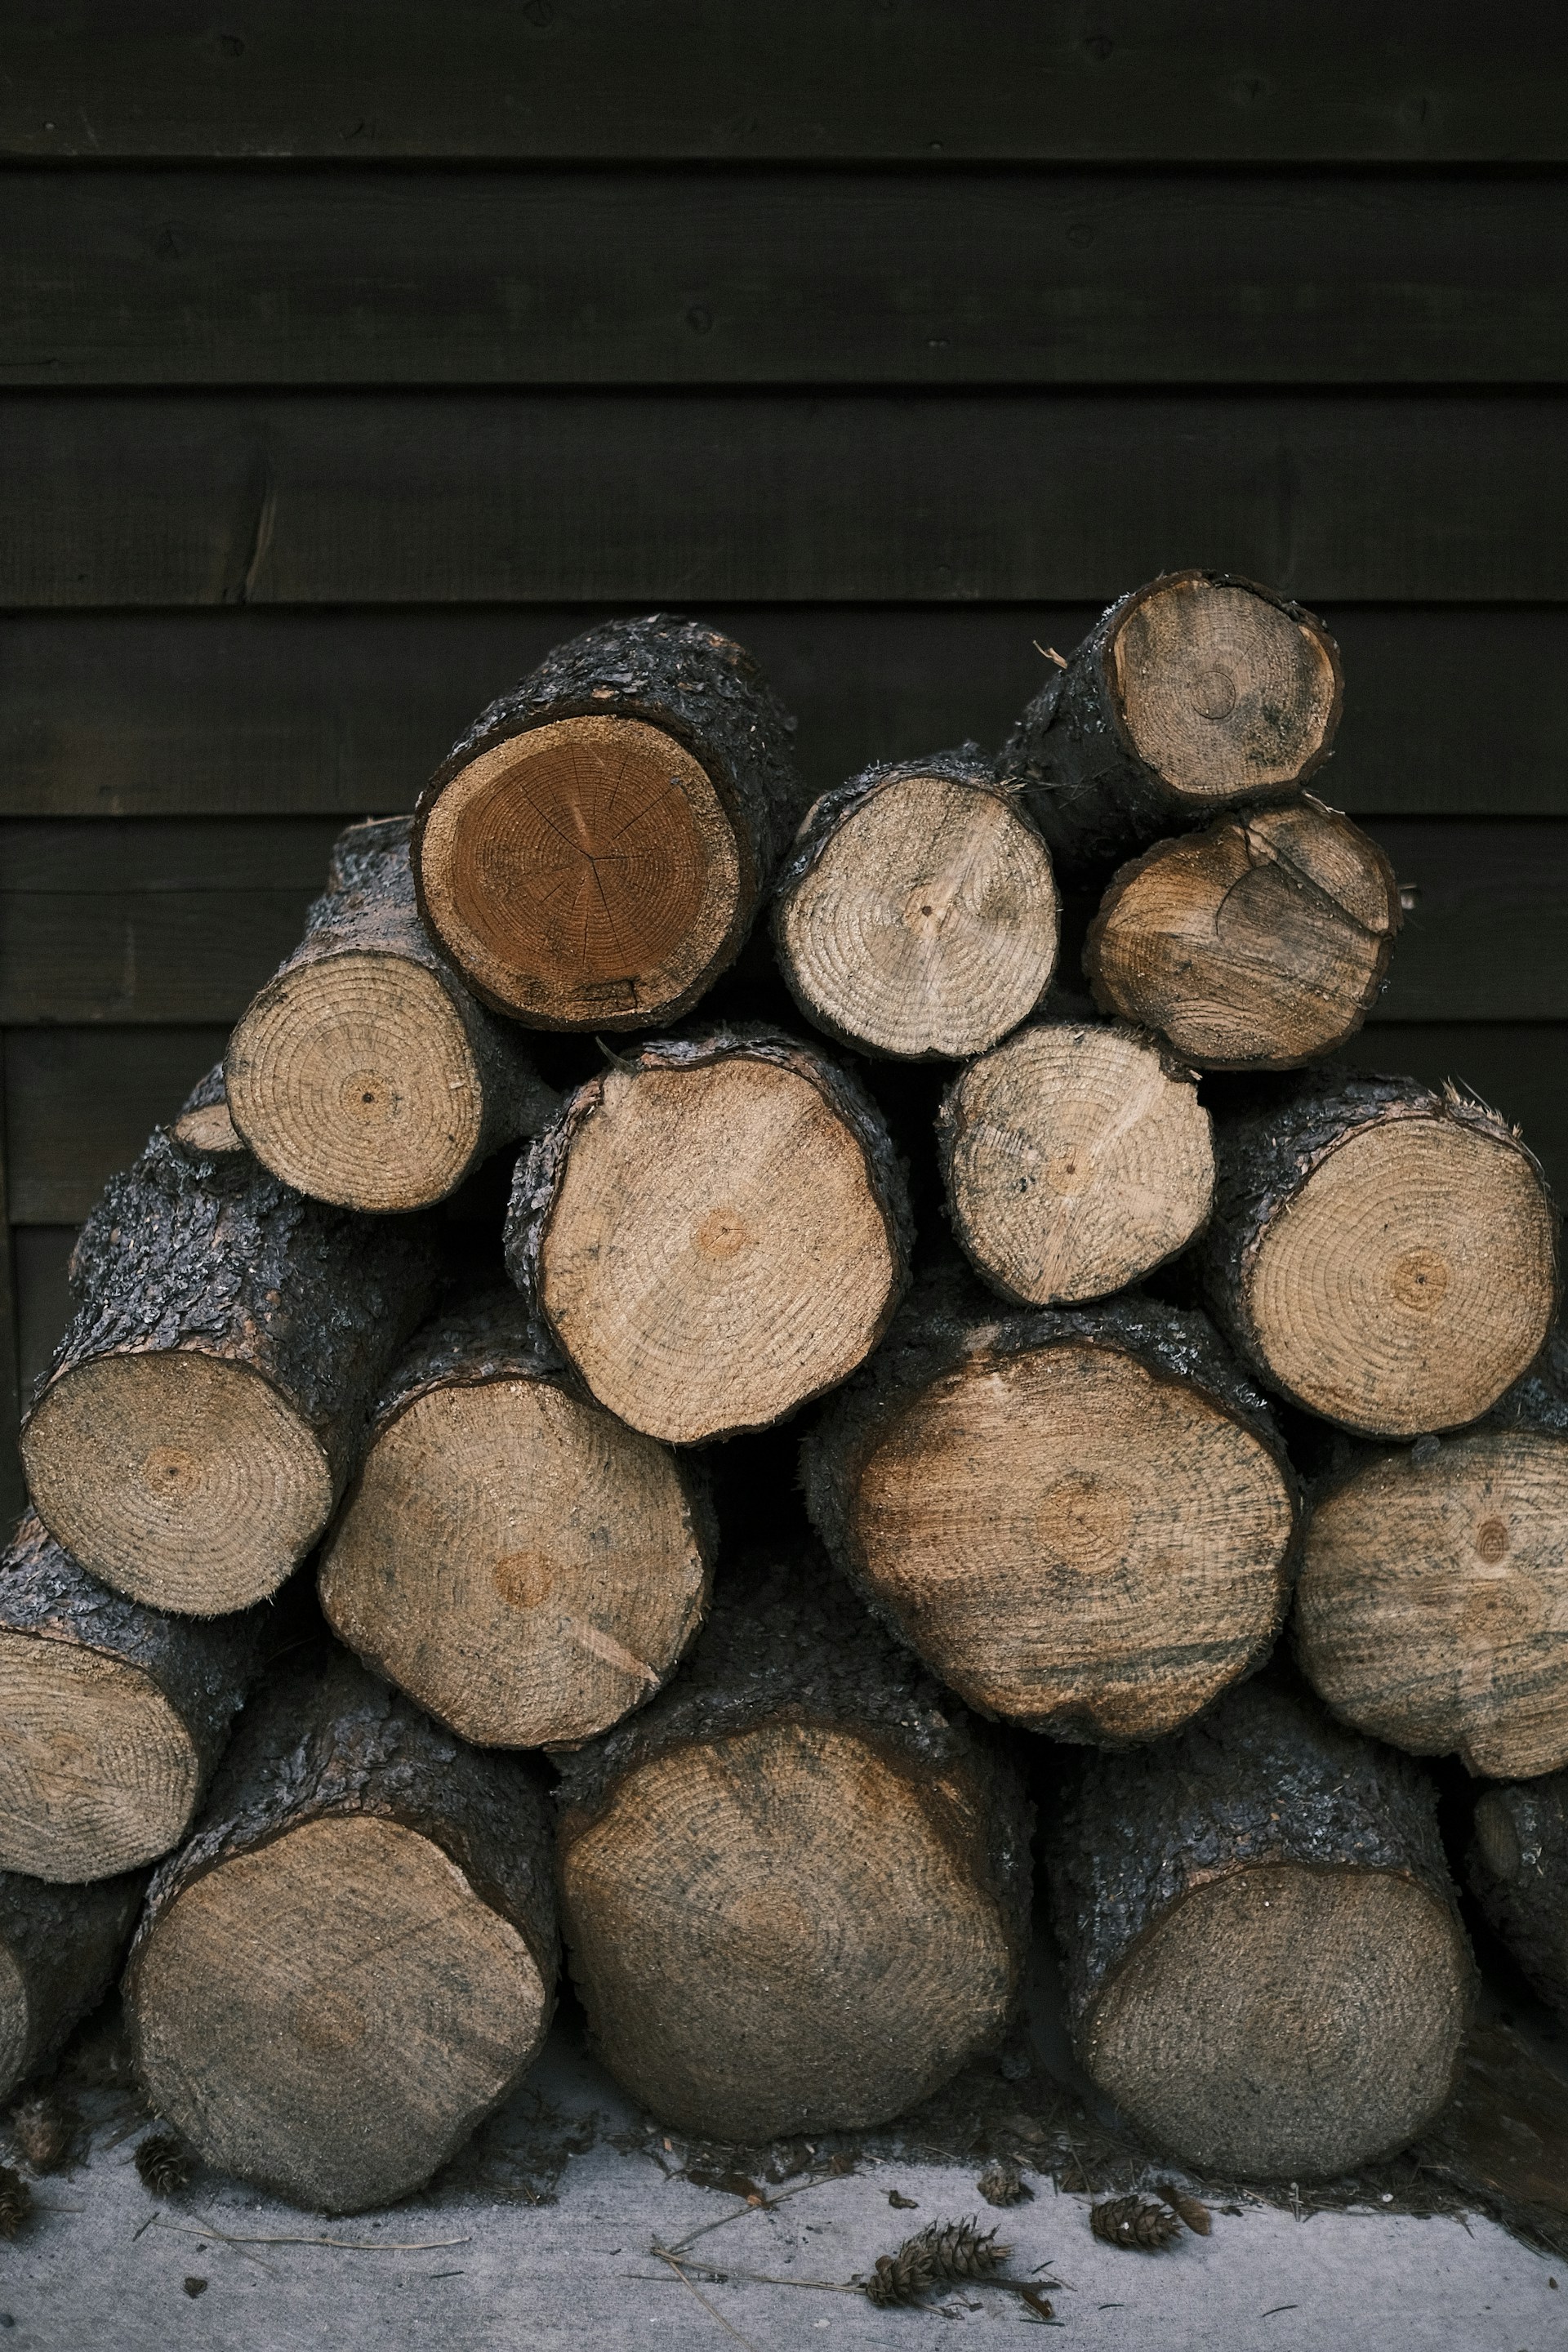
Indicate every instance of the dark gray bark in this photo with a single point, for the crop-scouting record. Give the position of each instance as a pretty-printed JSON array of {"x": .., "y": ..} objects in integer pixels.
[
  {"x": 324, "y": 1737},
  {"x": 700, "y": 687},
  {"x": 1093, "y": 798},
  {"x": 369, "y": 908},
  {"x": 64, "y": 1945},
  {"x": 204, "y": 1667},
  {"x": 1517, "y": 1867},
  {"x": 204, "y": 1250}
]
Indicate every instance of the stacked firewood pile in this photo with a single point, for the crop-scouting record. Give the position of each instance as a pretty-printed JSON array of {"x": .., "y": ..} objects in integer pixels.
[{"x": 1105, "y": 1335}]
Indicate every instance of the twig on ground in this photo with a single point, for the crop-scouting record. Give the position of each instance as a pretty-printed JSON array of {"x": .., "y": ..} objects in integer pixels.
[{"x": 664, "y": 2256}]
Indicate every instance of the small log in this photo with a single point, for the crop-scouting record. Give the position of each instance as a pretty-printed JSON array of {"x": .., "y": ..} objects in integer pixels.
[
  {"x": 917, "y": 915},
  {"x": 60, "y": 1948},
  {"x": 794, "y": 1888},
  {"x": 1195, "y": 693},
  {"x": 354, "y": 1959},
  {"x": 113, "y": 1715},
  {"x": 1076, "y": 1157},
  {"x": 364, "y": 1072},
  {"x": 1263, "y": 1964},
  {"x": 1258, "y": 944},
  {"x": 206, "y": 1405},
  {"x": 1381, "y": 1252},
  {"x": 714, "y": 1230},
  {"x": 1080, "y": 1520},
  {"x": 521, "y": 1564},
  {"x": 591, "y": 853},
  {"x": 1518, "y": 1868},
  {"x": 1432, "y": 1608}
]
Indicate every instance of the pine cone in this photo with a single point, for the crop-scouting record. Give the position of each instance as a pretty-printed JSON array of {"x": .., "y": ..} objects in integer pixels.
[
  {"x": 15, "y": 2201},
  {"x": 1192, "y": 2211},
  {"x": 43, "y": 2130},
  {"x": 164, "y": 2163},
  {"x": 940, "y": 2252},
  {"x": 1002, "y": 2183},
  {"x": 1134, "y": 2222}
]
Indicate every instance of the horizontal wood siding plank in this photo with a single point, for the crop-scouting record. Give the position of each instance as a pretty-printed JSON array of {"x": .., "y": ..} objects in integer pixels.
[
  {"x": 399, "y": 278},
  {"x": 81, "y": 1103},
  {"x": 131, "y": 499},
  {"x": 255, "y": 713},
  {"x": 596, "y": 80},
  {"x": 43, "y": 1297},
  {"x": 124, "y": 923}
]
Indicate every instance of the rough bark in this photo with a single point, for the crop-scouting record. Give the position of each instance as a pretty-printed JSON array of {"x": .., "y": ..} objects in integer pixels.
[
  {"x": 1196, "y": 692},
  {"x": 521, "y": 1564},
  {"x": 353, "y": 1961},
  {"x": 61, "y": 1948},
  {"x": 1259, "y": 943},
  {"x": 916, "y": 915},
  {"x": 1076, "y": 1158},
  {"x": 364, "y": 1072},
  {"x": 1381, "y": 1252},
  {"x": 207, "y": 1403},
  {"x": 1263, "y": 1963},
  {"x": 114, "y": 1715},
  {"x": 795, "y": 1887},
  {"x": 1082, "y": 1520},
  {"x": 1518, "y": 1868},
  {"x": 714, "y": 1230},
  {"x": 593, "y": 852}
]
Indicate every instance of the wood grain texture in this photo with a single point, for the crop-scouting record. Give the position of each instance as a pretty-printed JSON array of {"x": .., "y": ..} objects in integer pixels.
[
  {"x": 928, "y": 79},
  {"x": 682, "y": 277},
  {"x": 397, "y": 498},
  {"x": 346, "y": 713}
]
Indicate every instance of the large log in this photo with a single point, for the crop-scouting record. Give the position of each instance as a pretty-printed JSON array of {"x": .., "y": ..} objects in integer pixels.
[
  {"x": 207, "y": 1404},
  {"x": 916, "y": 914},
  {"x": 1076, "y": 1157},
  {"x": 515, "y": 1558},
  {"x": 113, "y": 1715},
  {"x": 1383, "y": 1254},
  {"x": 1080, "y": 1520},
  {"x": 364, "y": 1072},
  {"x": 1518, "y": 1868},
  {"x": 61, "y": 1948},
  {"x": 1432, "y": 1607},
  {"x": 1194, "y": 693},
  {"x": 1258, "y": 944},
  {"x": 593, "y": 852},
  {"x": 795, "y": 1887},
  {"x": 1263, "y": 1965},
  {"x": 714, "y": 1229},
  {"x": 352, "y": 1961}
]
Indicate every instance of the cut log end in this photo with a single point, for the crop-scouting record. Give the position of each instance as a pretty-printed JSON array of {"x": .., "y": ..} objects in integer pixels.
[
  {"x": 928, "y": 925},
  {"x": 777, "y": 1932},
  {"x": 585, "y": 874},
  {"x": 330, "y": 2014},
  {"x": 523, "y": 1566},
  {"x": 1430, "y": 1596},
  {"x": 353, "y": 1079},
  {"x": 1073, "y": 1542},
  {"x": 1075, "y": 1161},
  {"x": 182, "y": 1479},
  {"x": 98, "y": 1772},
  {"x": 1222, "y": 692},
  {"x": 1259, "y": 943},
  {"x": 717, "y": 1252},
  {"x": 209, "y": 1129},
  {"x": 1237, "y": 2032},
  {"x": 1412, "y": 1281}
]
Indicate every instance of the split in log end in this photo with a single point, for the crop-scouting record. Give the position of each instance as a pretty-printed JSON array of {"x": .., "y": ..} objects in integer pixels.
[{"x": 585, "y": 874}]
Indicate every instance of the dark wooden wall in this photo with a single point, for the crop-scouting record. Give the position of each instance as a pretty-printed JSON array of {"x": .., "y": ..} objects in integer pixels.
[{"x": 353, "y": 353}]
